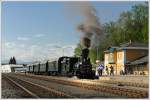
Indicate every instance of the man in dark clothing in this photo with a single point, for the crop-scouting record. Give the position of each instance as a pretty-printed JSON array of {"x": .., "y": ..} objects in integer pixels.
[
  {"x": 107, "y": 70},
  {"x": 111, "y": 70}
]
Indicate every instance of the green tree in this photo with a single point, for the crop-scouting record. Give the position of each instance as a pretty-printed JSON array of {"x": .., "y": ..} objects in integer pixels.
[
  {"x": 77, "y": 51},
  {"x": 131, "y": 25},
  {"x": 92, "y": 55},
  {"x": 134, "y": 23}
]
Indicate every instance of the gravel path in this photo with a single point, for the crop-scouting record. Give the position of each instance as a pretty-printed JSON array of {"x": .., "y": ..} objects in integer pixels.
[
  {"x": 10, "y": 91},
  {"x": 72, "y": 90}
]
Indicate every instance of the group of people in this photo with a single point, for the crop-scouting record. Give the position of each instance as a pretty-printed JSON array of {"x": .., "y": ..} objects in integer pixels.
[{"x": 101, "y": 68}]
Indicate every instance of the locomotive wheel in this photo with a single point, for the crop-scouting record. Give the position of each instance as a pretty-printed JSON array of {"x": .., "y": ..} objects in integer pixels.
[{"x": 78, "y": 74}]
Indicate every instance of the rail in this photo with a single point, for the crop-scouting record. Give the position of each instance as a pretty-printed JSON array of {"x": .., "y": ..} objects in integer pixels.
[
  {"x": 38, "y": 91},
  {"x": 22, "y": 88}
]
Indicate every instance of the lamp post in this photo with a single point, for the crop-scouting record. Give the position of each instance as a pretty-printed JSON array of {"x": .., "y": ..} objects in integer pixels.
[
  {"x": 63, "y": 51},
  {"x": 97, "y": 53},
  {"x": 97, "y": 61}
]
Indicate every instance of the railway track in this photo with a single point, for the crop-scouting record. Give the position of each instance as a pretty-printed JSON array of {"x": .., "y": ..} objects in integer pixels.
[
  {"x": 36, "y": 90},
  {"x": 121, "y": 91},
  {"x": 27, "y": 93}
]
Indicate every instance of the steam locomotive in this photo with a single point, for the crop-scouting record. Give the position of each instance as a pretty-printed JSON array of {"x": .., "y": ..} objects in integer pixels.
[
  {"x": 85, "y": 67},
  {"x": 65, "y": 66}
]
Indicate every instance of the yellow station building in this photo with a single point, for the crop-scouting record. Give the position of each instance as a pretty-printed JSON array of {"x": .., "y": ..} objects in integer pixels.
[{"x": 129, "y": 58}]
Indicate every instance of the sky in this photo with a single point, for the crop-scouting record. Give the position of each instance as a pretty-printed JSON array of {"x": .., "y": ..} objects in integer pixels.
[{"x": 39, "y": 31}]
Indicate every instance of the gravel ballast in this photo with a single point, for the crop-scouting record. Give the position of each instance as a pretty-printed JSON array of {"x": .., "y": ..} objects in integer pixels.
[{"x": 10, "y": 91}]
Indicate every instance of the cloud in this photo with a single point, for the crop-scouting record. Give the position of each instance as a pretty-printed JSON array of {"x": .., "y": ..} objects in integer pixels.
[
  {"x": 70, "y": 46},
  {"x": 28, "y": 53},
  {"x": 39, "y": 35},
  {"x": 23, "y": 38},
  {"x": 22, "y": 45},
  {"x": 9, "y": 44}
]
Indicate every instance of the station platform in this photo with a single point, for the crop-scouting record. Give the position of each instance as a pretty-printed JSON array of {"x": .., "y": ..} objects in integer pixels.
[{"x": 127, "y": 78}]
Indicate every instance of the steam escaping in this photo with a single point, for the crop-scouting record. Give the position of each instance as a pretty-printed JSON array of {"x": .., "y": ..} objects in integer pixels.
[
  {"x": 90, "y": 28},
  {"x": 90, "y": 25}
]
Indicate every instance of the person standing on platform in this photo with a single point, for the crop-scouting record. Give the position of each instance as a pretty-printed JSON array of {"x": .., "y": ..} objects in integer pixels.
[
  {"x": 100, "y": 69},
  {"x": 107, "y": 71},
  {"x": 111, "y": 70}
]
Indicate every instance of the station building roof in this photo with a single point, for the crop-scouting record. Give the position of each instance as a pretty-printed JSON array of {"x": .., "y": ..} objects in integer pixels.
[
  {"x": 138, "y": 61},
  {"x": 133, "y": 44},
  {"x": 127, "y": 46}
]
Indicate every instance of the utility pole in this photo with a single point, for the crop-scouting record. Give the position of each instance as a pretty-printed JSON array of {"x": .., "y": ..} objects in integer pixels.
[
  {"x": 63, "y": 51},
  {"x": 97, "y": 60},
  {"x": 97, "y": 53}
]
